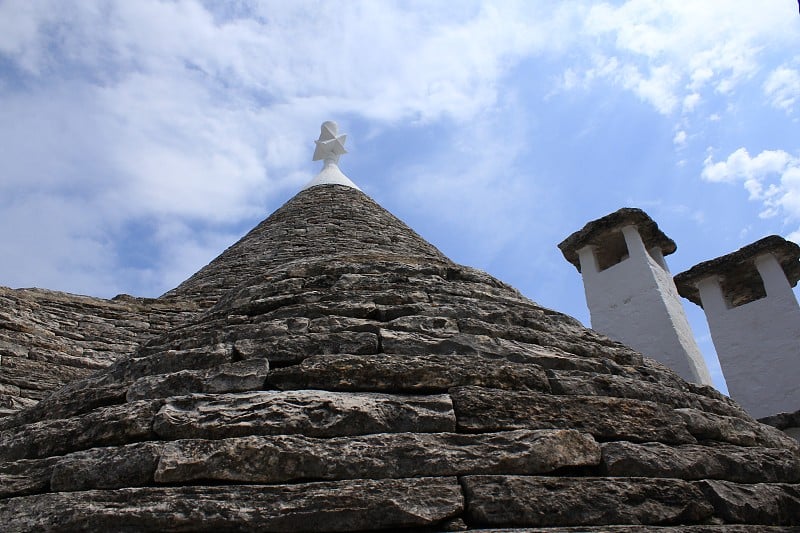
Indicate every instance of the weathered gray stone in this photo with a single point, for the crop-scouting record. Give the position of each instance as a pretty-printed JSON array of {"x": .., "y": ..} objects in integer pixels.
[
  {"x": 431, "y": 325},
  {"x": 409, "y": 343},
  {"x": 312, "y": 413},
  {"x": 328, "y": 506},
  {"x": 692, "y": 461},
  {"x": 329, "y": 222},
  {"x": 27, "y": 476},
  {"x": 286, "y": 458},
  {"x": 399, "y": 373},
  {"x": 479, "y": 409},
  {"x": 294, "y": 348},
  {"x": 760, "y": 503},
  {"x": 50, "y": 338},
  {"x": 106, "y": 426},
  {"x": 708, "y": 426},
  {"x": 75, "y": 398},
  {"x": 782, "y": 421},
  {"x": 569, "y": 501},
  {"x": 705, "y": 528},
  {"x": 173, "y": 361},
  {"x": 590, "y": 384},
  {"x": 240, "y": 376},
  {"x": 106, "y": 468},
  {"x": 553, "y": 333}
]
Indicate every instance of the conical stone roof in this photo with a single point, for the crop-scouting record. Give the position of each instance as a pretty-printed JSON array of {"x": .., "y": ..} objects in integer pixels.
[{"x": 348, "y": 377}]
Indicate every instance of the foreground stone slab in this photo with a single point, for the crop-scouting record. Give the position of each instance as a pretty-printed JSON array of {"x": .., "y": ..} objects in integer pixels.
[
  {"x": 407, "y": 373},
  {"x": 708, "y": 426},
  {"x": 118, "y": 424},
  {"x": 285, "y": 458},
  {"x": 760, "y": 503},
  {"x": 106, "y": 468},
  {"x": 692, "y": 461},
  {"x": 27, "y": 476},
  {"x": 587, "y": 384},
  {"x": 547, "y": 501},
  {"x": 410, "y": 343},
  {"x": 328, "y": 506},
  {"x": 705, "y": 528},
  {"x": 312, "y": 413},
  {"x": 230, "y": 377},
  {"x": 478, "y": 409},
  {"x": 75, "y": 398},
  {"x": 291, "y": 349}
]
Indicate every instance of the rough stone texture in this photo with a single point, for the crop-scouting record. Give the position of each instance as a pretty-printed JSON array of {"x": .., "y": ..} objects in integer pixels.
[
  {"x": 587, "y": 384},
  {"x": 707, "y": 528},
  {"x": 322, "y": 221},
  {"x": 228, "y": 377},
  {"x": 102, "y": 427},
  {"x": 397, "y": 364},
  {"x": 782, "y": 421},
  {"x": 709, "y": 426},
  {"x": 412, "y": 373},
  {"x": 286, "y": 458},
  {"x": 478, "y": 409},
  {"x": 690, "y": 461},
  {"x": 106, "y": 468},
  {"x": 738, "y": 269},
  {"x": 762, "y": 503},
  {"x": 570, "y": 501},
  {"x": 652, "y": 236},
  {"x": 27, "y": 476},
  {"x": 333, "y": 506},
  {"x": 312, "y": 413},
  {"x": 50, "y": 338}
]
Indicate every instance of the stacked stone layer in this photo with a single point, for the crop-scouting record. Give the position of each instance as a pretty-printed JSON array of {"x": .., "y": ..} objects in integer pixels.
[
  {"x": 49, "y": 338},
  {"x": 387, "y": 388}
]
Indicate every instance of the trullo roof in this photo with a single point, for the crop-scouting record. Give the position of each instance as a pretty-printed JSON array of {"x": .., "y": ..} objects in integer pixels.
[{"x": 346, "y": 376}]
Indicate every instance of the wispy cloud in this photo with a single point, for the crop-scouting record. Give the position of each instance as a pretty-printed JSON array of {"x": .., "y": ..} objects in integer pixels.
[
  {"x": 772, "y": 177},
  {"x": 783, "y": 88},
  {"x": 673, "y": 52}
]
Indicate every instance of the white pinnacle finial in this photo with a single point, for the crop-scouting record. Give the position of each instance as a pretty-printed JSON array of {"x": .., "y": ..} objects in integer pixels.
[{"x": 330, "y": 146}]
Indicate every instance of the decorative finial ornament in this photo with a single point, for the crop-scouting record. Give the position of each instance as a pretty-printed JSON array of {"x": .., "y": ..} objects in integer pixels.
[{"x": 330, "y": 146}]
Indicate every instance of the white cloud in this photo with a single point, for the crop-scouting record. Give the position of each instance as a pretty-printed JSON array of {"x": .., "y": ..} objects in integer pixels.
[
  {"x": 679, "y": 139},
  {"x": 772, "y": 177},
  {"x": 783, "y": 88},
  {"x": 670, "y": 51}
]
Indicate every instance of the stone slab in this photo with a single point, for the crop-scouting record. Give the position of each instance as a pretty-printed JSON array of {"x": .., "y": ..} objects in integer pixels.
[
  {"x": 327, "y": 506},
  {"x": 118, "y": 424},
  {"x": 587, "y": 384},
  {"x": 27, "y": 476},
  {"x": 606, "y": 418},
  {"x": 106, "y": 468},
  {"x": 407, "y": 373},
  {"x": 240, "y": 376},
  {"x": 312, "y": 413},
  {"x": 760, "y": 503},
  {"x": 286, "y": 458},
  {"x": 693, "y": 461},
  {"x": 572, "y": 501},
  {"x": 734, "y": 430}
]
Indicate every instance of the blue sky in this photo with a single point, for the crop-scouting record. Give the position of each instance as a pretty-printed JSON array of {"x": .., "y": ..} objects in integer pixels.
[{"x": 139, "y": 139}]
